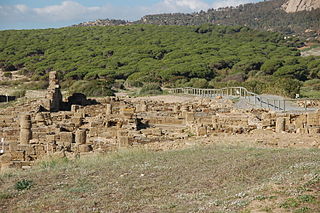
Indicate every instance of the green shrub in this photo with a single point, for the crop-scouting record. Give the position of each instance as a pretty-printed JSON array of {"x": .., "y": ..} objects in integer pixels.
[
  {"x": 93, "y": 88},
  {"x": 38, "y": 85},
  {"x": 19, "y": 93},
  {"x": 151, "y": 89},
  {"x": 306, "y": 198},
  {"x": 23, "y": 185},
  {"x": 198, "y": 83},
  {"x": 290, "y": 203},
  {"x": 7, "y": 74}
]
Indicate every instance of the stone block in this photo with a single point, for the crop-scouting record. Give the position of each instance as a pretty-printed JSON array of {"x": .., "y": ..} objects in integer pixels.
[
  {"x": 50, "y": 138},
  {"x": 13, "y": 147},
  {"x": 25, "y": 136},
  {"x": 109, "y": 109},
  {"x": 314, "y": 130},
  {"x": 280, "y": 124},
  {"x": 189, "y": 117},
  {"x": 84, "y": 148},
  {"x": 81, "y": 136},
  {"x": 67, "y": 137},
  {"x": 141, "y": 108},
  {"x": 123, "y": 141},
  {"x": 157, "y": 132},
  {"x": 6, "y": 158},
  {"x": 201, "y": 131},
  {"x": 77, "y": 121},
  {"x": 75, "y": 108},
  {"x": 18, "y": 156},
  {"x": 313, "y": 119},
  {"x": 121, "y": 133}
]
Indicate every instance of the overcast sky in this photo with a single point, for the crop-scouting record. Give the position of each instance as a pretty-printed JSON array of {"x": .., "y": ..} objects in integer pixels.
[{"x": 32, "y": 14}]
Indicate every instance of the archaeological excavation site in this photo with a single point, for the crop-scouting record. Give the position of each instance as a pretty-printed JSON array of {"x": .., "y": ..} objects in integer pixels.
[{"x": 77, "y": 126}]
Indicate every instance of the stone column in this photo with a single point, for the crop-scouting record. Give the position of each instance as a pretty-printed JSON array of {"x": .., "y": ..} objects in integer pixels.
[
  {"x": 109, "y": 109},
  {"x": 81, "y": 137},
  {"x": 25, "y": 129},
  {"x": 280, "y": 125}
]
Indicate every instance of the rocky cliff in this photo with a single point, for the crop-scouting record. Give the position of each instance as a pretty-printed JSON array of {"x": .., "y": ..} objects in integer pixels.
[
  {"x": 293, "y": 6},
  {"x": 103, "y": 22}
]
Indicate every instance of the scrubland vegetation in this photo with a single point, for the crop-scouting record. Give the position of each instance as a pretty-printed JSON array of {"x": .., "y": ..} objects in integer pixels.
[{"x": 171, "y": 56}]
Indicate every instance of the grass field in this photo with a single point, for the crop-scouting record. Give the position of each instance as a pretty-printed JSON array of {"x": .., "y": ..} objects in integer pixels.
[{"x": 199, "y": 179}]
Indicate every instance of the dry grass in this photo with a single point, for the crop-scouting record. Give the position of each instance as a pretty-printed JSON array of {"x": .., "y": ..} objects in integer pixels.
[{"x": 200, "y": 179}]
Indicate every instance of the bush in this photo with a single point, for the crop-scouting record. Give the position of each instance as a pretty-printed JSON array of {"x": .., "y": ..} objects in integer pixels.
[
  {"x": 198, "y": 83},
  {"x": 94, "y": 88},
  {"x": 7, "y": 74},
  {"x": 23, "y": 185},
  {"x": 19, "y": 93},
  {"x": 151, "y": 89},
  {"x": 39, "y": 85}
]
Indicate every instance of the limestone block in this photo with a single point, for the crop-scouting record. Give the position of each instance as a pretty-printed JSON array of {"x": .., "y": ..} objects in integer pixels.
[
  {"x": 27, "y": 148},
  {"x": 300, "y": 121},
  {"x": 157, "y": 132},
  {"x": 25, "y": 122},
  {"x": 280, "y": 124},
  {"x": 25, "y": 136},
  {"x": 13, "y": 147},
  {"x": 75, "y": 108},
  {"x": 17, "y": 156},
  {"x": 84, "y": 148},
  {"x": 141, "y": 108},
  {"x": 109, "y": 109},
  {"x": 6, "y": 158},
  {"x": 77, "y": 121},
  {"x": 176, "y": 108},
  {"x": 313, "y": 119},
  {"x": 123, "y": 141},
  {"x": 50, "y": 138},
  {"x": 121, "y": 133},
  {"x": 314, "y": 130},
  {"x": 127, "y": 111},
  {"x": 66, "y": 137},
  {"x": 40, "y": 119},
  {"x": 81, "y": 136},
  {"x": 201, "y": 131},
  {"x": 189, "y": 117}
]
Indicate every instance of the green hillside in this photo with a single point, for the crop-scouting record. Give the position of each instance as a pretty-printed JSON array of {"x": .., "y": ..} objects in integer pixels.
[
  {"x": 199, "y": 56},
  {"x": 265, "y": 15}
]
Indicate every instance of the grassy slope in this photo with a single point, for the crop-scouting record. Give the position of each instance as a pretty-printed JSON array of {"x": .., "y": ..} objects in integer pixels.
[{"x": 200, "y": 179}]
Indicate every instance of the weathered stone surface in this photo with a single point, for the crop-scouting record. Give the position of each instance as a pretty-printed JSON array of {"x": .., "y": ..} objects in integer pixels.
[
  {"x": 292, "y": 6},
  {"x": 81, "y": 136},
  {"x": 280, "y": 125}
]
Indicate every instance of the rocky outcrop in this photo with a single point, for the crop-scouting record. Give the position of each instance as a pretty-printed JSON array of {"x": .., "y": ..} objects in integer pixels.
[
  {"x": 103, "y": 22},
  {"x": 292, "y": 6}
]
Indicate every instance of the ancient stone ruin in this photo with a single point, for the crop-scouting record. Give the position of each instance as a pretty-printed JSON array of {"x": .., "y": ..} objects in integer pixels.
[
  {"x": 112, "y": 123},
  {"x": 53, "y": 101}
]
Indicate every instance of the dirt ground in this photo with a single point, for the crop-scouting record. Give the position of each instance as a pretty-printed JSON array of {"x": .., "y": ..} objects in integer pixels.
[{"x": 257, "y": 138}]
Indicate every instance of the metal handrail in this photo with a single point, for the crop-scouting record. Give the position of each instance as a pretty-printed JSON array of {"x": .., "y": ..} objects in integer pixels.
[{"x": 250, "y": 97}]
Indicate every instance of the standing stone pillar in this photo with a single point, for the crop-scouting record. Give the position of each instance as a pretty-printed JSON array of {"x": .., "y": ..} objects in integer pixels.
[
  {"x": 109, "y": 109},
  {"x": 81, "y": 137},
  {"x": 81, "y": 140},
  {"x": 280, "y": 125},
  {"x": 25, "y": 129}
]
